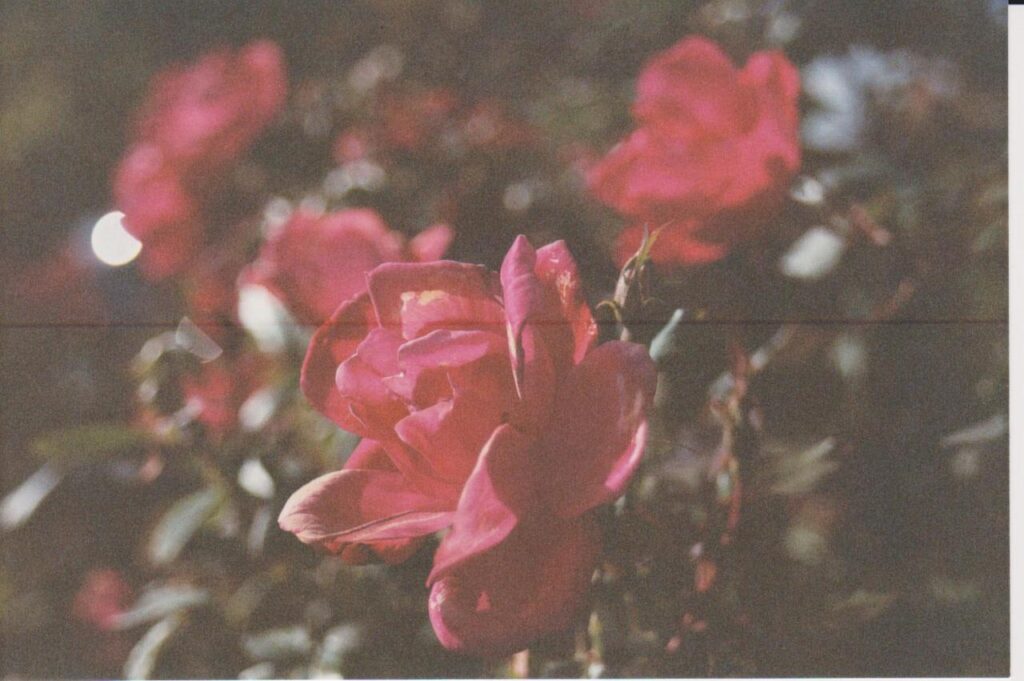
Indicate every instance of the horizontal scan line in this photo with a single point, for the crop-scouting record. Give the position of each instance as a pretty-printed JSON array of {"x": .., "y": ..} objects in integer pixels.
[{"x": 661, "y": 322}]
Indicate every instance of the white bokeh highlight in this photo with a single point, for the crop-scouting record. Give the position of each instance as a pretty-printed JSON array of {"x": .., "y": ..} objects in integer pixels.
[{"x": 111, "y": 242}]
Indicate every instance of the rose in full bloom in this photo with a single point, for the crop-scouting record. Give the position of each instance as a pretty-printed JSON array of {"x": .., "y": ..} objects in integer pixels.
[
  {"x": 194, "y": 124},
  {"x": 313, "y": 263},
  {"x": 485, "y": 408},
  {"x": 712, "y": 156}
]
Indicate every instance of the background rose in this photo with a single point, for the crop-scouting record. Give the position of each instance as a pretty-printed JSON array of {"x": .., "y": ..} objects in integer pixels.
[
  {"x": 194, "y": 124},
  {"x": 314, "y": 263},
  {"x": 713, "y": 156},
  {"x": 205, "y": 115},
  {"x": 497, "y": 418}
]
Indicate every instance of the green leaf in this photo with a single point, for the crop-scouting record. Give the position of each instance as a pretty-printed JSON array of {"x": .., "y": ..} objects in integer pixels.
[
  {"x": 142, "y": 659},
  {"x": 160, "y": 602},
  {"x": 180, "y": 523},
  {"x": 275, "y": 644},
  {"x": 76, "y": 446},
  {"x": 19, "y": 505}
]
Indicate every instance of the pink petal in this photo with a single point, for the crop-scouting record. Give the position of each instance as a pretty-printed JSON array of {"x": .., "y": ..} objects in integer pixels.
[
  {"x": 420, "y": 297},
  {"x": 556, "y": 269},
  {"x": 361, "y": 506},
  {"x": 522, "y": 293},
  {"x": 532, "y": 584},
  {"x": 692, "y": 90},
  {"x": 451, "y": 433},
  {"x": 314, "y": 263},
  {"x": 332, "y": 344},
  {"x": 444, "y": 348},
  {"x": 373, "y": 455},
  {"x": 500, "y": 490},
  {"x": 431, "y": 243},
  {"x": 598, "y": 430},
  {"x": 676, "y": 245},
  {"x": 369, "y": 455}
]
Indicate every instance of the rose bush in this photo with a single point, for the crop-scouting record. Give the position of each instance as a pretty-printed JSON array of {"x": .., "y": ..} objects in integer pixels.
[
  {"x": 485, "y": 408},
  {"x": 712, "y": 157},
  {"x": 195, "y": 122},
  {"x": 314, "y": 263}
]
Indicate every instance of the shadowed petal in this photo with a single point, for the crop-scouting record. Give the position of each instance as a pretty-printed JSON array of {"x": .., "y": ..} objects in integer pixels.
[
  {"x": 331, "y": 345},
  {"x": 361, "y": 506},
  {"x": 530, "y": 585},
  {"x": 598, "y": 429},
  {"x": 498, "y": 492}
]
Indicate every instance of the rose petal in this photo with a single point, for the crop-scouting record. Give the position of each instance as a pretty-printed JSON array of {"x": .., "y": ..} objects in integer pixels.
[
  {"x": 314, "y": 263},
  {"x": 530, "y": 585},
  {"x": 598, "y": 430},
  {"x": 332, "y": 344},
  {"x": 369, "y": 455},
  {"x": 675, "y": 244},
  {"x": 451, "y": 433},
  {"x": 692, "y": 90},
  {"x": 431, "y": 243},
  {"x": 421, "y": 297},
  {"x": 535, "y": 331},
  {"x": 499, "y": 491},
  {"x": 556, "y": 269},
  {"x": 361, "y": 506}
]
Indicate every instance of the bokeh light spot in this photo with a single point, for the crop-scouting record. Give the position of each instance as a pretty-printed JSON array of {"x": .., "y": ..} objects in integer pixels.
[{"x": 112, "y": 243}]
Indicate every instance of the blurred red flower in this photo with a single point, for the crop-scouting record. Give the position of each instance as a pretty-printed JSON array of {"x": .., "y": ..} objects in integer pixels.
[
  {"x": 205, "y": 115},
  {"x": 218, "y": 390},
  {"x": 102, "y": 598},
  {"x": 315, "y": 263},
  {"x": 713, "y": 155},
  {"x": 486, "y": 408},
  {"x": 194, "y": 124}
]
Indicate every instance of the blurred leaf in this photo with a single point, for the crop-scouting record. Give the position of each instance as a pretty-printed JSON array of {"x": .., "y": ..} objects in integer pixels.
[
  {"x": 79, "y": 445},
  {"x": 254, "y": 479},
  {"x": 275, "y": 644},
  {"x": 191, "y": 338},
  {"x": 813, "y": 255},
  {"x": 143, "y": 657},
  {"x": 664, "y": 342},
  {"x": 859, "y": 607},
  {"x": 994, "y": 428},
  {"x": 337, "y": 644},
  {"x": 244, "y": 601},
  {"x": 263, "y": 670},
  {"x": 180, "y": 522},
  {"x": 800, "y": 473},
  {"x": 161, "y": 602},
  {"x": 18, "y": 506},
  {"x": 258, "y": 530}
]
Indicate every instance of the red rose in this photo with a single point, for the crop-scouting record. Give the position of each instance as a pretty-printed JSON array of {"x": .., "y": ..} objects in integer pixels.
[
  {"x": 486, "y": 408},
  {"x": 159, "y": 211},
  {"x": 218, "y": 390},
  {"x": 205, "y": 115},
  {"x": 101, "y": 599},
  {"x": 194, "y": 123},
  {"x": 713, "y": 156},
  {"x": 315, "y": 263}
]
